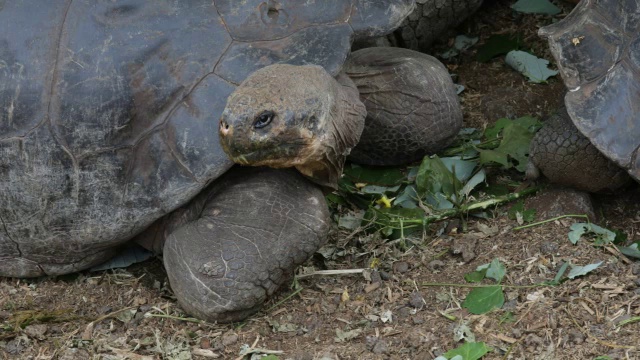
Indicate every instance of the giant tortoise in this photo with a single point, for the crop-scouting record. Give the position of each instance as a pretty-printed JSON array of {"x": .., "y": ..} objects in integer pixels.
[
  {"x": 593, "y": 143},
  {"x": 109, "y": 126}
]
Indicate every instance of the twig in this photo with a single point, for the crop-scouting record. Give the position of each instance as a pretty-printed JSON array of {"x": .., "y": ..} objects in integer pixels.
[
  {"x": 484, "y": 286},
  {"x": 193, "y": 320},
  {"x": 550, "y": 220},
  {"x": 332, "y": 272}
]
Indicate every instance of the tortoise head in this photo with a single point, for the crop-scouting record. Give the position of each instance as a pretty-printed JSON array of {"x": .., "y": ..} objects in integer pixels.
[{"x": 293, "y": 116}]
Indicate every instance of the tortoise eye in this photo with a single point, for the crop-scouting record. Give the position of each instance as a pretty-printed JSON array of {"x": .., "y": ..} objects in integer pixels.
[{"x": 263, "y": 119}]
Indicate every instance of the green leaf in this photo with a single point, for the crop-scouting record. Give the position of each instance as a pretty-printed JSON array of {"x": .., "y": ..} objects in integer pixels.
[
  {"x": 434, "y": 177},
  {"x": 270, "y": 357},
  {"x": 582, "y": 270},
  {"x": 603, "y": 236},
  {"x": 408, "y": 198},
  {"x": 469, "y": 351},
  {"x": 438, "y": 201},
  {"x": 514, "y": 146},
  {"x": 350, "y": 221},
  {"x": 475, "y": 180},
  {"x": 342, "y": 336},
  {"x": 496, "y": 270},
  {"x": 463, "y": 332},
  {"x": 530, "y": 66},
  {"x": 535, "y": 7},
  {"x": 493, "y": 132},
  {"x": 484, "y": 299},
  {"x": 382, "y": 176},
  {"x": 488, "y": 156},
  {"x": 498, "y": 45},
  {"x": 560, "y": 274},
  {"x": 476, "y": 276},
  {"x": 621, "y": 237},
  {"x": 631, "y": 251},
  {"x": 528, "y": 215},
  {"x": 462, "y": 168},
  {"x": 462, "y": 42}
]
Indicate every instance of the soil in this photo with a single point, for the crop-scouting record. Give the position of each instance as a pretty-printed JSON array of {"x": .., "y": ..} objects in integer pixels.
[{"x": 387, "y": 312}]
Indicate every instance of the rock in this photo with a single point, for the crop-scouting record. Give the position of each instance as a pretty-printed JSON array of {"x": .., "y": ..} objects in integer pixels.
[
  {"x": 229, "y": 339},
  {"x": 36, "y": 331},
  {"x": 561, "y": 201},
  {"x": 385, "y": 275},
  {"x": 375, "y": 277},
  {"x": 380, "y": 347},
  {"x": 576, "y": 336},
  {"x": 465, "y": 245},
  {"x": 400, "y": 267},
  {"x": 436, "y": 264},
  {"x": 370, "y": 341},
  {"x": 549, "y": 247},
  {"x": 74, "y": 354},
  {"x": 416, "y": 300}
]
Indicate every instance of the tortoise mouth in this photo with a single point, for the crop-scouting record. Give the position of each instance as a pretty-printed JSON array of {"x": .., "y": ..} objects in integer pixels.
[{"x": 281, "y": 156}]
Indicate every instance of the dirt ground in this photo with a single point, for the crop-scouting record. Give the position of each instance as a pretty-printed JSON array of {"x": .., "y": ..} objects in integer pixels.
[{"x": 389, "y": 312}]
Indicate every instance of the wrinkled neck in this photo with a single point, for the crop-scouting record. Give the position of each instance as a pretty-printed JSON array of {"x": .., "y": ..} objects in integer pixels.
[{"x": 342, "y": 132}]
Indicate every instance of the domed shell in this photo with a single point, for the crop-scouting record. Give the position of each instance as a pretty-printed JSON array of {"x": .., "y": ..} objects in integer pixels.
[
  {"x": 109, "y": 109},
  {"x": 597, "y": 49}
]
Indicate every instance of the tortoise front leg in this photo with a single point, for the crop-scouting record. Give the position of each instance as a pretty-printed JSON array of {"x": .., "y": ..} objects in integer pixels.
[
  {"x": 256, "y": 225},
  {"x": 566, "y": 157}
]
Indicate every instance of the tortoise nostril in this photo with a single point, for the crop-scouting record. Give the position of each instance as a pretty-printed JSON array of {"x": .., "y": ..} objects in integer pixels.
[{"x": 224, "y": 127}]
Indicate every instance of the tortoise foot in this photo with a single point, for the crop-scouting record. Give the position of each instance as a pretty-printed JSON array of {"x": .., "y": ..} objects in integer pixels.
[{"x": 256, "y": 225}]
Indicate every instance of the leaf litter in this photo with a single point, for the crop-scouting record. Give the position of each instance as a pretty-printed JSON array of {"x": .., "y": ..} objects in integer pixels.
[{"x": 381, "y": 237}]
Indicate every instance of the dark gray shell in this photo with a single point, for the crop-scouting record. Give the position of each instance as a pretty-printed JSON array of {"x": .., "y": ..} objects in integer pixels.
[
  {"x": 109, "y": 109},
  {"x": 597, "y": 49}
]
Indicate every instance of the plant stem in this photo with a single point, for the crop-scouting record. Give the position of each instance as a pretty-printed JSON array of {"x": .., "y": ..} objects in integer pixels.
[
  {"x": 480, "y": 205},
  {"x": 550, "y": 220},
  {"x": 484, "y": 286},
  {"x": 193, "y": 320}
]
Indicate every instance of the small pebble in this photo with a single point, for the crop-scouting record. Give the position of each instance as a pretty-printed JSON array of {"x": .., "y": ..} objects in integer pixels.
[
  {"x": 229, "y": 339},
  {"x": 370, "y": 341},
  {"x": 576, "y": 337},
  {"x": 375, "y": 277},
  {"x": 549, "y": 247},
  {"x": 36, "y": 331},
  {"x": 380, "y": 347},
  {"x": 385, "y": 275},
  {"x": 533, "y": 339},
  {"x": 517, "y": 333},
  {"x": 417, "y": 320},
  {"x": 416, "y": 300},
  {"x": 400, "y": 267},
  {"x": 635, "y": 268},
  {"x": 436, "y": 264}
]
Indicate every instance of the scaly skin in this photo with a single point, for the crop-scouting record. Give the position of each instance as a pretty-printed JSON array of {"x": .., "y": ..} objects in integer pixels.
[
  {"x": 566, "y": 157},
  {"x": 430, "y": 20},
  {"x": 253, "y": 227}
]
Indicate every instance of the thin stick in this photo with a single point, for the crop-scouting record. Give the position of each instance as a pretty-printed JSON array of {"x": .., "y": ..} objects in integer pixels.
[
  {"x": 193, "y": 320},
  {"x": 550, "y": 220},
  {"x": 484, "y": 285},
  {"x": 331, "y": 272}
]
